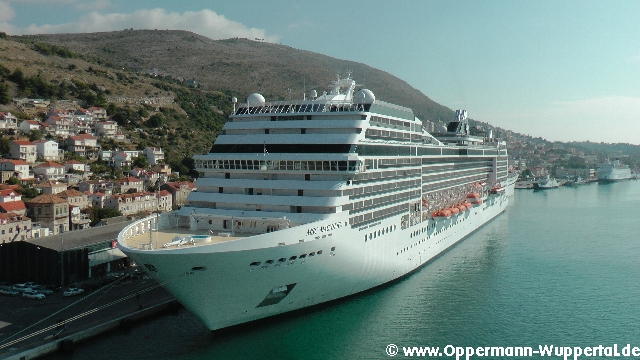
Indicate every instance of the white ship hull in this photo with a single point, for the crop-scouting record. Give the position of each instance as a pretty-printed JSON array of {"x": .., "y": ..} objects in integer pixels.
[
  {"x": 610, "y": 172},
  {"x": 230, "y": 292}
]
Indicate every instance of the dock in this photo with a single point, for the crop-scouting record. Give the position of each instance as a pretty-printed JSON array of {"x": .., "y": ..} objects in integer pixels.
[{"x": 35, "y": 328}]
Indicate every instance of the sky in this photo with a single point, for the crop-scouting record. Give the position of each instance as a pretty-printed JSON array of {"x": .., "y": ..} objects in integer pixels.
[{"x": 562, "y": 70}]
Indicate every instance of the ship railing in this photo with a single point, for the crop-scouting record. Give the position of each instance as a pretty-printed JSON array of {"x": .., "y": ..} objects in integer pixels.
[{"x": 154, "y": 222}]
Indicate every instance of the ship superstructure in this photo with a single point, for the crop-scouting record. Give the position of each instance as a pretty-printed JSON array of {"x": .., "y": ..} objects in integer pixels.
[
  {"x": 302, "y": 202},
  {"x": 611, "y": 171}
]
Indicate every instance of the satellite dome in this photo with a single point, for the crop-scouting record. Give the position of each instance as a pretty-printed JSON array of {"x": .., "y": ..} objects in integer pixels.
[
  {"x": 255, "y": 99},
  {"x": 365, "y": 95},
  {"x": 442, "y": 129}
]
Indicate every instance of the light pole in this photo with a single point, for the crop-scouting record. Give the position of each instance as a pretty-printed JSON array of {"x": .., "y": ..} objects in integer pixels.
[{"x": 61, "y": 258}]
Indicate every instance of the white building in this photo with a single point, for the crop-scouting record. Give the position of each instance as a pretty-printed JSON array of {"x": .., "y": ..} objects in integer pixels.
[
  {"x": 23, "y": 150},
  {"x": 106, "y": 128},
  {"x": 49, "y": 170},
  {"x": 8, "y": 121},
  {"x": 27, "y": 126},
  {"x": 48, "y": 150},
  {"x": 154, "y": 155}
]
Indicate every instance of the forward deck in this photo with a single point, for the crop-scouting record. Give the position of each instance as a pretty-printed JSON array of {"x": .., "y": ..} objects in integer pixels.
[{"x": 156, "y": 239}]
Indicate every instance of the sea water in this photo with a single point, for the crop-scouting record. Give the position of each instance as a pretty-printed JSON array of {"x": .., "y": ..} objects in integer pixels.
[{"x": 559, "y": 267}]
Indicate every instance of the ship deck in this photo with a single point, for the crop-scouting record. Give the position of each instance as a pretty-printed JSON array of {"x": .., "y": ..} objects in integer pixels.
[{"x": 159, "y": 238}]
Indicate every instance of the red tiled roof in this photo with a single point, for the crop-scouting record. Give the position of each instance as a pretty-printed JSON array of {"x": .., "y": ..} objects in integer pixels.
[
  {"x": 73, "y": 162},
  {"x": 9, "y": 187},
  {"x": 164, "y": 193},
  {"x": 13, "y": 216},
  {"x": 45, "y": 199},
  {"x": 49, "y": 164},
  {"x": 22, "y": 142},
  {"x": 14, "y": 162},
  {"x": 69, "y": 193},
  {"x": 8, "y": 192},
  {"x": 12, "y": 206}
]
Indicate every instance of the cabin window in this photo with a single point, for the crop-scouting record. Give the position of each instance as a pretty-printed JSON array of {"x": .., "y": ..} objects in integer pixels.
[
  {"x": 293, "y": 258},
  {"x": 255, "y": 263}
]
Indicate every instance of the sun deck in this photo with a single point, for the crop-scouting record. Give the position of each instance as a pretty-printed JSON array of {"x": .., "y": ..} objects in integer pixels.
[{"x": 159, "y": 238}]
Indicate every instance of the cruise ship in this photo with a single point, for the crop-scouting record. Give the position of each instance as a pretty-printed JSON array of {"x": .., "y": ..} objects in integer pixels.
[
  {"x": 613, "y": 171},
  {"x": 303, "y": 202}
]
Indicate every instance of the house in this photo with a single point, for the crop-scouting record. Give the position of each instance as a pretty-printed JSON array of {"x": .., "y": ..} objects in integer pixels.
[
  {"x": 48, "y": 150},
  {"x": 164, "y": 201},
  {"x": 154, "y": 155},
  {"x": 133, "y": 203},
  {"x": 98, "y": 112},
  {"x": 58, "y": 126},
  {"x": 84, "y": 145},
  {"x": 49, "y": 170},
  {"x": 17, "y": 168},
  {"x": 76, "y": 166},
  {"x": 129, "y": 183},
  {"x": 50, "y": 211},
  {"x": 17, "y": 207},
  {"x": 97, "y": 199},
  {"x": 78, "y": 220},
  {"x": 9, "y": 196},
  {"x": 8, "y": 121},
  {"x": 94, "y": 186},
  {"x": 106, "y": 128},
  {"x": 14, "y": 227},
  {"x": 27, "y": 126},
  {"x": 75, "y": 198},
  {"x": 123, "y": 158},
  {"x": 51, "y": 187},
  {"x": 179, "y": 191},
  {"x": 23, "y": 150}
]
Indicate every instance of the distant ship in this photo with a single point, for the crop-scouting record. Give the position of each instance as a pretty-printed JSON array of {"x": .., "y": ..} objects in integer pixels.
[
  {"x": 303, "y": 202},
  {"x": 547, "y": 183},
  {"x": 613, "y": 171}
]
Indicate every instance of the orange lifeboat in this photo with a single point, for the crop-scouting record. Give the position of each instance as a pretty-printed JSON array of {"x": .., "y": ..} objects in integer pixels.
[
  {"x": 468, "y": 205},
  {"x": 434, "y": 214},
  {"x": 424, "y": 202},
  {"x": 454, "y": 210},
  {"x": 477, "y": 202},
  {"x": 444, "y": 213},
  {"x": 473, "y": 196},
  {"x": 462, "y": 208}
]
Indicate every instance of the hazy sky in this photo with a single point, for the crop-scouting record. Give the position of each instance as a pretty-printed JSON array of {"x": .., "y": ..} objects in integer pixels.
[{"x": 563, "y": 70}]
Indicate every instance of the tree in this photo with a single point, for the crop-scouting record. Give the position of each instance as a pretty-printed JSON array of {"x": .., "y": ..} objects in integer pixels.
[
  {"x": 155, "y": 121},
  {"x": 4, "y": 93},
  {"x": 5, "y": 146},
  {"x": 28, "y": 193},
  {"x": 35, "y": 135},
  {"x": 13, "y": 181},
  {"x": 97, "y": 214},
  {"x": 140, "y": 162}
]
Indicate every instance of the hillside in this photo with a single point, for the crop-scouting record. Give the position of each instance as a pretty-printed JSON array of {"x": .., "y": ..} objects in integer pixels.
[{"x": 238, "y": 67}]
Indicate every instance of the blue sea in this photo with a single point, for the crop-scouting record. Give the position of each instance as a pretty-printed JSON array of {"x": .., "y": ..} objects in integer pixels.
[{"x": 559, "y": 267}]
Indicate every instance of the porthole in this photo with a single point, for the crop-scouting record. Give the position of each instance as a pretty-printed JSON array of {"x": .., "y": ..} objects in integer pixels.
[
  {"x": 282, "y": 259},
  {"x": 312, "y": 254},
  {"x": 269, "y": 262},
  {"x": 333, "y": 248},
  {"x": 302, "y": 256},
  {"x": 293, "y": 258},
  {"x": 319, "y": 252},
  {"x": 255, "y": 263}
]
